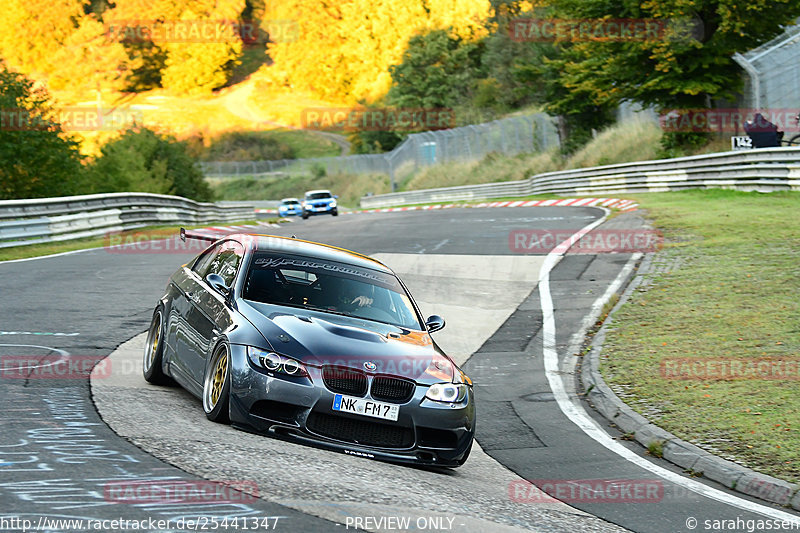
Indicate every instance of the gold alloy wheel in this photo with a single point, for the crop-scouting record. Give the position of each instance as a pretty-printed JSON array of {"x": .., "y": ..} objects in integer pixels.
[
  {"x": 218, "y": 381},
  {"x": 214, "y": 383}
]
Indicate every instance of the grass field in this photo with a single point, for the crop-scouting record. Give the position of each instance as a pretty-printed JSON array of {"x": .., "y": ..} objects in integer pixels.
[{"x": 734, "y": 295}]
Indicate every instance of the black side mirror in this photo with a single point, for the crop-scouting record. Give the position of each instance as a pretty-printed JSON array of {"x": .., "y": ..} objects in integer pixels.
[
  {"x": 434, "y": 323},
  {"x": 218, "y": 284}
]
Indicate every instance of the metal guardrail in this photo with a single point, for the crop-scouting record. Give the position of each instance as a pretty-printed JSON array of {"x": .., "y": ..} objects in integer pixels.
[
  {"x": 24, "y": 222},
  {"x": 764, "y": 170}
]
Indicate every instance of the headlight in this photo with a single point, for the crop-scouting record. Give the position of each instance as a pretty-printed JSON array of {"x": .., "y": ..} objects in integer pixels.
[
  {"x": 447, "y": 392},
  {"x": 332, "y": 203},
  {"x": 275, "y": 363}
]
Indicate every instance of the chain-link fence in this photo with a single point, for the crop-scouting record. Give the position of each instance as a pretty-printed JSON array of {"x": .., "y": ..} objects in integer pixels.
[
  {"x": 774, "y": 72},
  {"x": 510, "y": 136}
]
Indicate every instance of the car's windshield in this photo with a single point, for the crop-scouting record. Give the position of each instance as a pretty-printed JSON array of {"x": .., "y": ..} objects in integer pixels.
[
  {"x": 332, "y": 287},
  {"x": 318, "y": 195},
  {"x": 290, "y": 202}
]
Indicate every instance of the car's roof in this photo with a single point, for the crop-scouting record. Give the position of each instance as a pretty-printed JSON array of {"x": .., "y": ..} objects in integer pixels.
[
  {"x": 290, "y": 200},
  {"x": 318, "y": 190},
  {"x": 300, "y": 247}
]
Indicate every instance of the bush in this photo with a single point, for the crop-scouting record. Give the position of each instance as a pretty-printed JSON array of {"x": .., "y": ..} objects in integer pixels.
[
  {"x": 681, "y": 143},
  {"x": 239, "y": 146},
  {"x": 144, "y": 161}
]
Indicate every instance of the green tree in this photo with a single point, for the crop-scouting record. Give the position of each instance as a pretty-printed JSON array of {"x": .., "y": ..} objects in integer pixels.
[
  {"x": 524, "y": 71},
  {"x": 143, "y": 161},
  {"x": 36, "y": 158},
  {"x": 437, "y": 70},
  {"x": 684, "y": 67}
]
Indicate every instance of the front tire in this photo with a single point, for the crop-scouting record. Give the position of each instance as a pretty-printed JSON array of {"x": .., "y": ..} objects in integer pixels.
[
  {"x": 305, "y": 215},
  {"x": 154, "y": 351},
  {"x": 335, "y": 212},
  {"x": 217, "y": 386}
]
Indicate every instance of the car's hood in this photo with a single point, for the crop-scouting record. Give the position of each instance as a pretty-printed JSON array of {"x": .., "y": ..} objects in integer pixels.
[{"x": 317, "y": 339}]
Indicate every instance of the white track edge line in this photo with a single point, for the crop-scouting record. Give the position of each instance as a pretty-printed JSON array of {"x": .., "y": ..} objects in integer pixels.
[{"x": 578, "y": 416}]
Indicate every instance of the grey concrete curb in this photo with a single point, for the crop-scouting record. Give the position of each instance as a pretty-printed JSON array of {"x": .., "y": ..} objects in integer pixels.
[{"x": 675, "y": 450}]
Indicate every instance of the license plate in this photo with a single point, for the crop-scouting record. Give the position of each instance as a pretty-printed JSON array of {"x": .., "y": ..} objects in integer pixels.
[{"x": 360, "y": 406}]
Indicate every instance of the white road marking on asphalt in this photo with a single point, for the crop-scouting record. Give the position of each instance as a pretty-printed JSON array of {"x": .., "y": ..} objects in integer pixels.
[
  {"x": 440, "y": 244},
  {"x": 580, "y": 418},
  {"x": 51, "y": 255},
  {"x": 63, "y": 353}
]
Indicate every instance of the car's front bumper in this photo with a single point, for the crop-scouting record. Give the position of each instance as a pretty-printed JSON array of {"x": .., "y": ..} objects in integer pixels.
[
  {"x": 319, "y": 210},
  {"x": 301, "y": 409}
]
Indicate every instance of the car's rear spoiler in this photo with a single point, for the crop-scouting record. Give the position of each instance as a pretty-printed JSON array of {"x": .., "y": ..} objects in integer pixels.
[{"x": 196, "y": 236}]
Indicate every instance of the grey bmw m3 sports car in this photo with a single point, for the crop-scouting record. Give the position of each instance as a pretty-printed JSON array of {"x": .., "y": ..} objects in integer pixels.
[{"x": 312, "y": 343}]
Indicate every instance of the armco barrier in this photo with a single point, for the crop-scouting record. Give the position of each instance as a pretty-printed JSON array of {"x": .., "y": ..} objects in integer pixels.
[
  {"x": 24, "y": 222},
  {"x": 763, "y": 170}
]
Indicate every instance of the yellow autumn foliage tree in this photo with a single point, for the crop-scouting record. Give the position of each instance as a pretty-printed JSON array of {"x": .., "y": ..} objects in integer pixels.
[
  {"x": 88, "y": 59},
  {"x": 195, "y": 37},
  {"x": 343, "y": 49},
  {"x": 32, "y": 31}
]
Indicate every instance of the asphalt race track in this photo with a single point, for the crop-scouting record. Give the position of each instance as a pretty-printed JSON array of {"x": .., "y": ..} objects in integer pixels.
[{"x": 58, "y": 457}]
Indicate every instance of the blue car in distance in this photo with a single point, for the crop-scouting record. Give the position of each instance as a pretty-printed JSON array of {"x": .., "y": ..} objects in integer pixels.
[
  {"x": 319, "y": 202},
  {"x": 289, "y": 207}
]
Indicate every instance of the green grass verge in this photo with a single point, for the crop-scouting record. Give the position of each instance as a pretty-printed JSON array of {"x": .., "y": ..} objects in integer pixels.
[
  {"x": 734, "y": 295},
  {"x": 50, "y": 248}
]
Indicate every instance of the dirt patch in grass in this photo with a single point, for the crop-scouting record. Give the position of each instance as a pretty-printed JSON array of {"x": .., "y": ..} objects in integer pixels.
[{"x": 726, "y": 288}]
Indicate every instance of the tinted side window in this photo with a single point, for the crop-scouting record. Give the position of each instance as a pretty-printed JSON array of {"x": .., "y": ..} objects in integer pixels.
[
  {"x": 201, "y": 265},
  {"x": 226, "y": 260}
]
